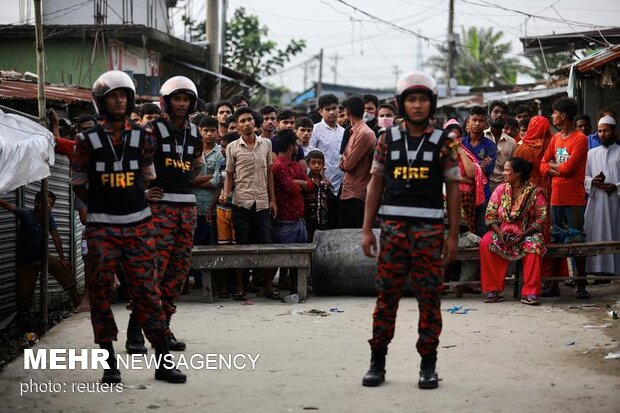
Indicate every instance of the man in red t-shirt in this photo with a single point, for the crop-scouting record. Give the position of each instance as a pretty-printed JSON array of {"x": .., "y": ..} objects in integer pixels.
[
  {"x": 290, "y": 181},
  {"x": 565, "y": 162}
]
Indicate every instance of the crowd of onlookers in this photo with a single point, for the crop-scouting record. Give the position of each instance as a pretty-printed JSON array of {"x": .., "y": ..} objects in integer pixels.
[{"x": 273, "y": 175}]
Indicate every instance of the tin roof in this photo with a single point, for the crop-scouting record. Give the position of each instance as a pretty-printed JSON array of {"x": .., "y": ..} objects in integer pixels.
[
  {"x": 598, "y": 59},
  {"x": 27, "y": 90}
]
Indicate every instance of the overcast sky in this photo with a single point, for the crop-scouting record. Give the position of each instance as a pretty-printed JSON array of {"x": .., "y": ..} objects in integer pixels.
[{"x": 369, "y": 51}]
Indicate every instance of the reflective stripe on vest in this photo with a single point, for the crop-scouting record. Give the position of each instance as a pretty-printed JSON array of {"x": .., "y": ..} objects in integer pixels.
[
  {"x": 102, "y": 218},
  {"x": 135, "y": 139},
  {"x": 94, "y": 140},
  {"x": 435, "y": 136},
  {"x": 411, "y": 212},
  {"x": 181, "y": 198},
  {"x": 163, "y": 130}
]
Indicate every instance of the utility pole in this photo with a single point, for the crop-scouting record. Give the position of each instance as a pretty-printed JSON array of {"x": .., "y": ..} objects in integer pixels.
[
  {"x": 419, "y": 54},
  {"x": 223, "y": 31},
  {"x": 306, "y": 64},
  {"x": 319, "y": 85},
  {"x": 213, "y": 48},
  {"x": 38, "y": 29},
  {"x": 335, "y": 58},
  {"x": 451, "y": 49},
  {"x": 396, "y": 72}
]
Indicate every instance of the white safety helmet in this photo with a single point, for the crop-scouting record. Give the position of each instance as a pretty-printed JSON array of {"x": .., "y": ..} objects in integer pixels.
[
  {"x": 109, "y": 81},
  {"x": 174, "y": 85},
  {"x": 416, "y": 82}
]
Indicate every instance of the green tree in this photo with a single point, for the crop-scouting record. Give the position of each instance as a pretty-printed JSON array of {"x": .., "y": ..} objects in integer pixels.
[
  {"x": 247, "y": 47},
  {"x": 480, "y": 58},
  {"x": 553, "y": 61}
]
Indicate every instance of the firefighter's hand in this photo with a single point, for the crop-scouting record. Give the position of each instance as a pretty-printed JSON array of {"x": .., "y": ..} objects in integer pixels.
[
  {"x": 154, "y": 194},
  {"x": 450, "y": 249},
  {"x": 369, "y": 244}
]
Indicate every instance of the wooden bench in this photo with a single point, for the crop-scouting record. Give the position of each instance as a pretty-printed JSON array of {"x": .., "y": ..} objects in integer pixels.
[
  {"x": 207, "y": 258},
  {"x": 581, "y": 249}
]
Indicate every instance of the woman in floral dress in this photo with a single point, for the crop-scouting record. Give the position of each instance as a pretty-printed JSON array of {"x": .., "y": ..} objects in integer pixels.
[{"x": 516, "y": 215}]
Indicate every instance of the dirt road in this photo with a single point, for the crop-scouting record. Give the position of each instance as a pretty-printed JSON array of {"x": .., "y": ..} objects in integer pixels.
[{"x": 503, "y": 357}]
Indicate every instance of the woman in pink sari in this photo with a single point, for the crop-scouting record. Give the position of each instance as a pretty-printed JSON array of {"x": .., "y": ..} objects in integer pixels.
[
  {"x": 472, "y": 178},
  {"x": 516, "y": 215}
]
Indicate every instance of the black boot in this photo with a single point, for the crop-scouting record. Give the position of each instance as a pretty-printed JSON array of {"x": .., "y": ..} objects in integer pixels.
[
  {"x": 376, "y": 373},
  {"x": 166, "y": 372},
  {"x": 113, "y": 374},
  {"x": 135, "y": 339},
  {"x": 428, "y": 375},
  {"x": 173, "y": 343}
]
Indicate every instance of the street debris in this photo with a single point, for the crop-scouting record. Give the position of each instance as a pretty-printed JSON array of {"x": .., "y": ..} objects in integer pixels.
[
  {"x": 460, "y": 310},
  {"x": 613, "y": 355},
  {"x": 336, "y": 310},
  {"x": 248, "y": 302},
  {"x": 594, "y": 327},
  {"x": 613, "y": 314},
  {"x": 313, "y": 312}
]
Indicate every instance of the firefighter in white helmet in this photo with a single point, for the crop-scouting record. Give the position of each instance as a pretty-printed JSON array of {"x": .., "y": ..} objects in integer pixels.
[
  {"x": 412, "y": 162},
  {"x": 112, "y": 167},
  {"x": 178, "y": 160}
]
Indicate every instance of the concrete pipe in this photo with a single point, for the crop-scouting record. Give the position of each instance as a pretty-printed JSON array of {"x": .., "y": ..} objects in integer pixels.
[{"x": 339, "y": 265}]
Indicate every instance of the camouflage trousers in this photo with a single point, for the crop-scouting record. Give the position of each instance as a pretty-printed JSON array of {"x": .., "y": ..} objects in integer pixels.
[
  {"x": 132, "y": 249},
  {"x": 409, "y": 249},
  {"x": 174, "y": 239}
]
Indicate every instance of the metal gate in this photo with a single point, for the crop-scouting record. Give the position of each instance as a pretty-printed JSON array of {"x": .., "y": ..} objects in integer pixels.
[{"x": 8, "y": 249}]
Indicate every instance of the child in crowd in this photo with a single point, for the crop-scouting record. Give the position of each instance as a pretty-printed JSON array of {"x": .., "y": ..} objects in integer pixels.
[
  {"x": 523, "y": 125},
  {"x": 316, "y": 202},
  {"x": 511, "y": 128}
]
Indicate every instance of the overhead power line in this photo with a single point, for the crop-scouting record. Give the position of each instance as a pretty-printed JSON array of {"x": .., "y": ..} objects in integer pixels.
[{"x": 389, "y": 23}]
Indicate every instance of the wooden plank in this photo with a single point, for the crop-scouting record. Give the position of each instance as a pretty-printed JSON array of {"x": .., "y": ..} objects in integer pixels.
[
  {"x": 285, "y": 259},
  {"x": 582, "y": 249},
  {"x": 252, "y": 249}
]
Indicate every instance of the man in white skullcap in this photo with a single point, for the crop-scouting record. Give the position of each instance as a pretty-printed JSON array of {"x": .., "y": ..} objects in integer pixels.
[{"x": 602, "y": 216}]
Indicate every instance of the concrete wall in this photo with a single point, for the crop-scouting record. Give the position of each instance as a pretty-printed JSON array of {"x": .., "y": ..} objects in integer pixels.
[
  {"x": 151, "y": 13},
  {"x": 68, "y": 60}
]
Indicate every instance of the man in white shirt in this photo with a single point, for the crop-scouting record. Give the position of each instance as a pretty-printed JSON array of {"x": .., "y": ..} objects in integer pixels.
[{"x": 327, "y": 137}]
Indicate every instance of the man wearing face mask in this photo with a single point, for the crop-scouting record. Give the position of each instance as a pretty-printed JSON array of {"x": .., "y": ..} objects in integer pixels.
[
  {"x": 371, "y": 108},
  {"x": 355, "y": 163},
  {"x": 385, "y": 118}
]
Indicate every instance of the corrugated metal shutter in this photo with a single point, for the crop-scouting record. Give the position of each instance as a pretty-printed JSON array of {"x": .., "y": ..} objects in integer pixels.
[
  {"x": 64, "y": 216},
  {"x": 8, "y": 246}
]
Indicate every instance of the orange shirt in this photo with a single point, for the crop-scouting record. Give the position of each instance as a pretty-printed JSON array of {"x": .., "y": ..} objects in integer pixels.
[{"x": 570, "y": 154}]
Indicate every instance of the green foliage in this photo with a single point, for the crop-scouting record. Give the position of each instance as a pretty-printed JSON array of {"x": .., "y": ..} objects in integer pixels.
[
  {"x": 247, "y": 48},
  {"x": 554, "y": 61},
  {"x": 480, "y": 59}
]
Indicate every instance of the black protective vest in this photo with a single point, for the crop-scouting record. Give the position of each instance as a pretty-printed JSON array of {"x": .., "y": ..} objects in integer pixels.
[
  {"x": 413, "y": 184},
  {"x": 173, "y": 162},
  {"x": 115, "y": 180}
]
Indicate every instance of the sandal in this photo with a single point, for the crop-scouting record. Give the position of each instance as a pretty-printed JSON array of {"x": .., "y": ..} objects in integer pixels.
[
  {"x": 530, "y": 299},
  {"x": 493, "y": 297},
  {"x": 274, "y": 295},
  {"x": 239, "y": 296}
]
